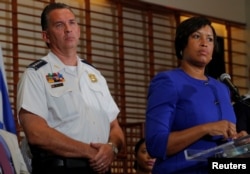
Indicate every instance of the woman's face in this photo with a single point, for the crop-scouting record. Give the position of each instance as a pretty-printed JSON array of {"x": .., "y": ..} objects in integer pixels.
[
  {"x": 144, "y": 161},
  {"x": 200, "y": 46}
]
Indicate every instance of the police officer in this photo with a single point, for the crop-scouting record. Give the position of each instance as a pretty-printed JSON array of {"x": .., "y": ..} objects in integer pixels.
[{"x": 64, "y": 105}]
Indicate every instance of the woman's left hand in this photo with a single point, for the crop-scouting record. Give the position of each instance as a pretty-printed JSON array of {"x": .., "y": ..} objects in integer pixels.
[{"x": 241, "y": 134}]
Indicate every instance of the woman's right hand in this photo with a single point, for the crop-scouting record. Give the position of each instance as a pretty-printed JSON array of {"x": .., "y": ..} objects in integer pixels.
[{"x": 225, "y": 128}]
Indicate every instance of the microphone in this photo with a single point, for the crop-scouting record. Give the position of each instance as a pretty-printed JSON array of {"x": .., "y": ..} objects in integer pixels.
[{"x": 225, "y": 78}]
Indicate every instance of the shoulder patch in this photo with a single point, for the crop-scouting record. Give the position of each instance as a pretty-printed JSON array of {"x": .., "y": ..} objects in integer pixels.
[
  {"x": 85, "y": 61},
  {"x": 37, "y": 64}
]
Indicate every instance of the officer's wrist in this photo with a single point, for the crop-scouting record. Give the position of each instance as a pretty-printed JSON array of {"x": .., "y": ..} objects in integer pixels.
[{"x": 114, "y": 148}]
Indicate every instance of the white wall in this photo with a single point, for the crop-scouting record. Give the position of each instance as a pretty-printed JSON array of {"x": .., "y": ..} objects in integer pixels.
[{"x": 232, "y": 10}]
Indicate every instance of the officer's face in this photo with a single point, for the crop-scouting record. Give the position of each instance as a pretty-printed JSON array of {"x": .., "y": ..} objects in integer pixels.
[{"x": 63, "y": 32}]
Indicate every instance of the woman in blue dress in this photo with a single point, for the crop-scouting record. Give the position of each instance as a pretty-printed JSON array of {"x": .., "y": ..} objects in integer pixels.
[{"x": 188, "y": 109}]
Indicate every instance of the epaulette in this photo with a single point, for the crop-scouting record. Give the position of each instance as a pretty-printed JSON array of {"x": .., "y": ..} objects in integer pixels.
[
  {"x": 85, "y": 61},
  {"x": 37, "y": 64}
]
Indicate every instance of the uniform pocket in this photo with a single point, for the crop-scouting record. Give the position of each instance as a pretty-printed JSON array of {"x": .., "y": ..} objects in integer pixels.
[{"x": 64, "y": 103}]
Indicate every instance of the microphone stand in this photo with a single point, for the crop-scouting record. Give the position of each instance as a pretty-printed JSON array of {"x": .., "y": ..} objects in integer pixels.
[{"x": 237, "y": 98}]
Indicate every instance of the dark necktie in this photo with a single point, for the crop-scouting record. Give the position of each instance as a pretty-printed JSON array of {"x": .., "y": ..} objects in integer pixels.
[{"x": 4, "y": 162}]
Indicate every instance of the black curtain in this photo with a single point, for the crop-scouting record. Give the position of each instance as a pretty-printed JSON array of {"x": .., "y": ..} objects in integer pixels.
[{"x": 217, "y": 65}]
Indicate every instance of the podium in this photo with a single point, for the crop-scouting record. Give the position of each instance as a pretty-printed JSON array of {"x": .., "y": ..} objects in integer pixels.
[{"x": 239, "y": 148}]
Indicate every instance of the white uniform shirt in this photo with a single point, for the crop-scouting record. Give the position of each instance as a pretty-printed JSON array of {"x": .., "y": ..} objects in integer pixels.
[{"x": 79, "y": 106}]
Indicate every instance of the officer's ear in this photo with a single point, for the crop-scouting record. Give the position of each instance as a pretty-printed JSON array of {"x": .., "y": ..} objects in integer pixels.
[{"x": 46, "y": 37}]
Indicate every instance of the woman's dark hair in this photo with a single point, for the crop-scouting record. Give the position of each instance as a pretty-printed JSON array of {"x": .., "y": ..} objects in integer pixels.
[
  {"x": 136, "y": 149},
  {"x": 186, "y": 28},
  {"x": 48, "y": 9}
]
